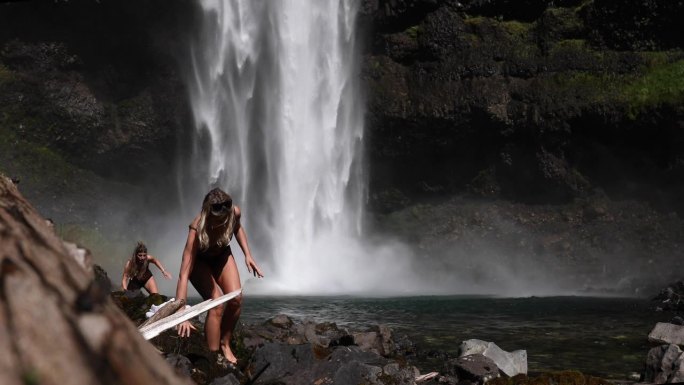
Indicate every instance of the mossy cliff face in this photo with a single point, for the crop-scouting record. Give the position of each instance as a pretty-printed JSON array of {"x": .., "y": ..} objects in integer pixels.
[
  {"x": 92, "y": 86},
  {"x": 93, "y": 111},
  {"x": 534, "y": 101}
]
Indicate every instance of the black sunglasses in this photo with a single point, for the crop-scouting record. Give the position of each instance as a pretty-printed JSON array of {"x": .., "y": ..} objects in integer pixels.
[{"x": 219, "y": 208}]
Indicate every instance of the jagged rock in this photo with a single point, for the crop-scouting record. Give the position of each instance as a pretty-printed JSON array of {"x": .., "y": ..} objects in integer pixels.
[
  {"x": 282, "y": 321},
  {"x": 182, "y": 364},
  {"x": 671, "y": 297},
  {"x": 41, "y": 287},
  {"x": 379, "y": 340},
  {"x": 660, "y": 363},
  {"x": 511, "y": 363},
  {"x": 475, "y": 368},
  {"x": 81, "y": 255},
  {"x": 308, "y": 363},
  {"x": 667, "y": 333}
]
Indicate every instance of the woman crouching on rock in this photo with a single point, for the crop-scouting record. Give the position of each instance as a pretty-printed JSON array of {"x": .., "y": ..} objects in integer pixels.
[
  {"x": 210, "y": 265},
  {"x": 137, "y": 274}
]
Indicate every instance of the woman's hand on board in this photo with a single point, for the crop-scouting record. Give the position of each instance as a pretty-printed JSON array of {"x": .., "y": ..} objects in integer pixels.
[{"x": 185, "y": 329}]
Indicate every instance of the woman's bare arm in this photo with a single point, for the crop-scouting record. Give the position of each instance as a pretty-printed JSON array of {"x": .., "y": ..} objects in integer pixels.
[
  {"x": 124, "y": 278},
  {"x": 189, "y": 253},
  {"x": 241, "y": 237},
  {"x": 158, "y": 263}
]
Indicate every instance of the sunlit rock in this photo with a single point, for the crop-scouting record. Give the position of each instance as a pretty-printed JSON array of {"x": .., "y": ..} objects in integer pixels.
[
  {"x": 667, "y": 333},
  {"x": 511, "y": 364}
]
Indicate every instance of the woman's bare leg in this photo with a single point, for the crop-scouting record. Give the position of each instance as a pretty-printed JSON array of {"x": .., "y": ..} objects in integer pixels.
[
  {"x": 229, "y": 280},
  {"x": 204, "y": 282},
  {"x": 151, "y": 286}
]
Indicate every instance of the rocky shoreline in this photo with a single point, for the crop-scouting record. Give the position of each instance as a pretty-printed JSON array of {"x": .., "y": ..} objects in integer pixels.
[
  {"x": 286, "y": 350},
  {"x": 283, "y": 350}
]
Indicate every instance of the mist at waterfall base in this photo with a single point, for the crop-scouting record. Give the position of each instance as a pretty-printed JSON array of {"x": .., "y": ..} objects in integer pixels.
[
  {"x": 275, "y": 92},
  {"x": 276, "y": 96}
]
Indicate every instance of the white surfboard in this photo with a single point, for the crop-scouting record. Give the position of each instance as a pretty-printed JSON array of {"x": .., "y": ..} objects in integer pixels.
[{"x": 152, "y": 330}]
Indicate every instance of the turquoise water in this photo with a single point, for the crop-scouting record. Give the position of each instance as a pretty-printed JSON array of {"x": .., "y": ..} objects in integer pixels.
[{"x": 599, "y": 336}]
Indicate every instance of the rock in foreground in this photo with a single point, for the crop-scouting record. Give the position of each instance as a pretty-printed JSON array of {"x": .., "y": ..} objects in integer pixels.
[{"x": 56, "y": 325}]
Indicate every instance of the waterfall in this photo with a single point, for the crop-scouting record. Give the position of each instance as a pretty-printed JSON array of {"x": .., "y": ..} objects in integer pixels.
[{"x": 275, "y": 92}]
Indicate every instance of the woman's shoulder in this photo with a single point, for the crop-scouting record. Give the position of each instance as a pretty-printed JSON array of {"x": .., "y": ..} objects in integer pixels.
[
  {"x": 237, "y": 210},
  {"x": 194, "y": 223}
]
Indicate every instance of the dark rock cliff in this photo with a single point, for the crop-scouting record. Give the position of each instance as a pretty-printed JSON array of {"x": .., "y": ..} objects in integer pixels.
[
  {"x": 536, "y": 139},
  {"x": 90, "y": 95},
  {"x": 536, "y": 101}
]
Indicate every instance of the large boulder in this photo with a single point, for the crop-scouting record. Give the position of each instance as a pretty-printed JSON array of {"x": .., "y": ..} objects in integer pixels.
[
  {"x": 473, "y": 368},
  {"x": 48, "y": 301},
  {"x": 511, "y": 364},
  {"x": 667, "y": 333},
  {"x": 663, "y": 364}
]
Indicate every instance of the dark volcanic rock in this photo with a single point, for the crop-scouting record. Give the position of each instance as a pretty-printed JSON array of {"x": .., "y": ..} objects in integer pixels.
[
  {"x": 543, "y": 103},
  {"x": 532, "y": 102},
  {"x": 475, "y": 368},
  {"x": 92, "y": 106},
  {"x": 283, "y": 351},
  {"x": 305, "y": 364},
  {"x": 671, "y": 297}
]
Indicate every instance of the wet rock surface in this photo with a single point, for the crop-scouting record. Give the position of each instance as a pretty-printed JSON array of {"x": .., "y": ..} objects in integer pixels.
[{"x": 283, "y": 350}]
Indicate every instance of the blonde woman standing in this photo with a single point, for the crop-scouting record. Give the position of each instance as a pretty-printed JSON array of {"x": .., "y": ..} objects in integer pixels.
[{"x": 209, "y": 264}]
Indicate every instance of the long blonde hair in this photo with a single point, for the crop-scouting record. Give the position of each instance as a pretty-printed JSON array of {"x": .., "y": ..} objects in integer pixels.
[{"x": 215, "y": 196}]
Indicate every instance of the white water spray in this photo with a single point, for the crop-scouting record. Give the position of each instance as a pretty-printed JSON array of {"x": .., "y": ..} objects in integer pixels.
[{"x": 277, "y": 103}]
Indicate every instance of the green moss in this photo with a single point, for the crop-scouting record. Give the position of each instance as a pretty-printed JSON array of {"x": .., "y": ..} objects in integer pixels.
[
  {"x": 587, "y": 86},
  {"x": 413, "y": 32},
  {"x": 578, "y": 53},
  {"x": 94, "y": 240},
  {"x": 657, "y": 58},
  {"x": 477, "y": 20},
  {"x": 660, "y": 85},
  {"x": 583, "y": 5},
  {"x": 574, "y": 44},
  {"x": 517, "y": 28},
  {"x": 654, "y": 86},
  {"x": 31, "y": 159}
]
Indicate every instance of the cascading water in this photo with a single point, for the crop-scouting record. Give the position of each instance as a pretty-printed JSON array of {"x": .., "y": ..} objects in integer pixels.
[{"x": 276, "y": 100}]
